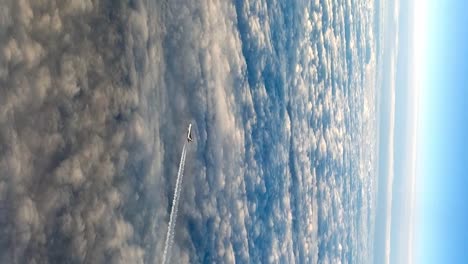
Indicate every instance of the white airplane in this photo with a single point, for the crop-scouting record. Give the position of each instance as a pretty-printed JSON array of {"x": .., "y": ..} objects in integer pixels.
[{"x": 189, "y": 133}]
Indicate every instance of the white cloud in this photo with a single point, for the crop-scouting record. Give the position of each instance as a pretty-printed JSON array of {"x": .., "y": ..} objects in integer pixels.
[
  {"x": 91, "y": 120},
  {"x": 66, "y": 166},
  {"x": 390, "y": 176}
]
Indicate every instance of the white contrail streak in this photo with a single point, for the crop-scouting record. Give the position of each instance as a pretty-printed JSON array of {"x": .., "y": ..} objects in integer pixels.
[{"x": 175, "y": 203}]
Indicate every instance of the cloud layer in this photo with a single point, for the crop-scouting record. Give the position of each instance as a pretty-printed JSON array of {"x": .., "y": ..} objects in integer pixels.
[{"x": 95, "y": 100}]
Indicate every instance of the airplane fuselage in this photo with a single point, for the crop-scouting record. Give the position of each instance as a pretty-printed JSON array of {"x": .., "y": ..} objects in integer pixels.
[{"x": 189, "y": 133}]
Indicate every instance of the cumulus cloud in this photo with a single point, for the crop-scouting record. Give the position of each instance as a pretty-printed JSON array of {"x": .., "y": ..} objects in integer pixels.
[
  {"x": 95, "y": 101},
  {"x": 75, "y": 131}
]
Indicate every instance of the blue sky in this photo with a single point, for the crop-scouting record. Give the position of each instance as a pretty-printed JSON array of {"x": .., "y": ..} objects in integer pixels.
[
  {"x": 441, "y": 229},
  {"x": 423, "y": 157}
]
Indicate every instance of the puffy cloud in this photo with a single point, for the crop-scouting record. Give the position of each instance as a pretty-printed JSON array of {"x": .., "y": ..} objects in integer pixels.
[
  {"x": 74, "y": 131},
  {"x": 97, "y": 95}
]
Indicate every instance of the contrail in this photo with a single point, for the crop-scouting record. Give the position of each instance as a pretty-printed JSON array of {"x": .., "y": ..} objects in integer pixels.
[{"x": 175, "y": 203}]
